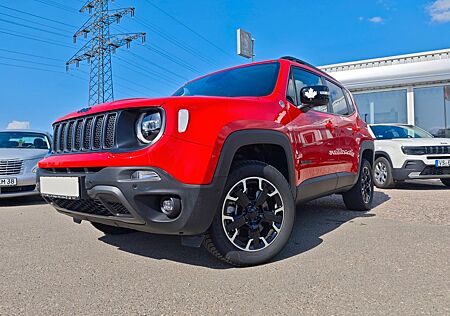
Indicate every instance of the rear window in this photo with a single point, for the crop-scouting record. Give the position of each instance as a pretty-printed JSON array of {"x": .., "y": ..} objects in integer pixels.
[{"x": 249, "y": 81}]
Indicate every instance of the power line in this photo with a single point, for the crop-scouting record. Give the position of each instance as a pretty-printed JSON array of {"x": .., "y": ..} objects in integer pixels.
[
  {"x": 29, "y": 67},
  {"x": 33, "y": 28},
  {"x": 98, "y": 50},
  {"x": 30, "y": 21},
  {"x": 184, "y": 46},
  {"x": 189, "y": 28},
  {"x": 17, "y": 34},
  {"x": 158, "y": 66},
  {"x": 147, "y": 72},
  {"x": 174, "y": 59},
  {"x": 28, "y": 61},
  {"x": 28, "y": 54},
  {"x": 37, "y": 16},
  {"x": 57, "y": 5}
]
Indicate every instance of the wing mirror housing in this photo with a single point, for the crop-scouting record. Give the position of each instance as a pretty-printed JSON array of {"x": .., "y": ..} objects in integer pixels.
[{"x": 312, "y": 96}]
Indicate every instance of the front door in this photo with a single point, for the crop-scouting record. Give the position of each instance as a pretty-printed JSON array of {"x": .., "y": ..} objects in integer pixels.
[{"x": 314, "y": 133}]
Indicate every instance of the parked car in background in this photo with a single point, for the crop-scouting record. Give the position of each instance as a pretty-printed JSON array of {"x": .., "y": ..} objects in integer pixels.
[
  {"x": 408, "y": 152},
  {"x": 20, "y": 151}
]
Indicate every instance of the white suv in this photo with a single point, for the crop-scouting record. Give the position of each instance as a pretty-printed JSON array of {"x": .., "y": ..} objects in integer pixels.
[{"x": 407, "y": 152}]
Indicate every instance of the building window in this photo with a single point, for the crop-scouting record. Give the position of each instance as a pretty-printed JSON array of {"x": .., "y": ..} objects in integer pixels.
[
  {"x": 432, "y": 110},
  {"x": 383, "y": 106}
]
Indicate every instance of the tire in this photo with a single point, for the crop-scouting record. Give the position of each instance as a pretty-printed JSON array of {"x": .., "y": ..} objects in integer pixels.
[
  {"x": 382, "y": 174},
  {"x": 446, "y": 182},
  {"x": 112, "y": 230},
  {"x": 360, "y": 197},
  {"x": 257, "y": 203}
]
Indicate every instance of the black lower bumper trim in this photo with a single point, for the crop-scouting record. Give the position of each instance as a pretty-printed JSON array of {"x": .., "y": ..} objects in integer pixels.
[{"x": 112, "y": 197}]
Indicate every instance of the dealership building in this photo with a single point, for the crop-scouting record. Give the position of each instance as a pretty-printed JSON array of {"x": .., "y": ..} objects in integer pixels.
[{"x": 413, "y": 89}]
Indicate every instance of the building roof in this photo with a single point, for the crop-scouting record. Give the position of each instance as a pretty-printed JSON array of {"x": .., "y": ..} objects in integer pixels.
[{"x": 401, "y": 70}]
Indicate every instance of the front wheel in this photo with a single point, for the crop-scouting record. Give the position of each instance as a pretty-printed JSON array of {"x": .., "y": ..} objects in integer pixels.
[
  {"x": 382, "y": 174},
  {"x": 360, "y": 197},
  {"x": 255, "y": 217},
  {"x": 446, "y": 182}
]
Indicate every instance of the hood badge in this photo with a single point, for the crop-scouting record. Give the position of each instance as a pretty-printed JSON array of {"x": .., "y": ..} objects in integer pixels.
[{"x": 84, "y": 110}]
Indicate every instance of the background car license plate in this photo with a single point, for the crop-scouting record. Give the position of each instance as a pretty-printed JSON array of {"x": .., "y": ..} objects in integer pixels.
[
  {"x": 443, "y": 163},
  {"x": 8, "y": 182},
  {"x": 66, "y": 187}
]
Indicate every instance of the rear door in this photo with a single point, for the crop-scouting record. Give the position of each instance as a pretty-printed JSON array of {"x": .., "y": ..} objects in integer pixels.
[{"x": 344, "y": 121}]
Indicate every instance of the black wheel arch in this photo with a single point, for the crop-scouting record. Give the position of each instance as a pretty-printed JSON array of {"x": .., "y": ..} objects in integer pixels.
[
  {"x": 239, "y": 139},
  {"x": 381, "y": 153}
]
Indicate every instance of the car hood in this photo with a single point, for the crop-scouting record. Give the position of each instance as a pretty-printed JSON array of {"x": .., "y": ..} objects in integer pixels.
[
  {"x": 418, "y": 141},
  {"x": 149, "y": 102},
  {"x": 24, "y": 154}
]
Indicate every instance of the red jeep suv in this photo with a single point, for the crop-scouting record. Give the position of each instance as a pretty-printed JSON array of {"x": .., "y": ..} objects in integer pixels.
[{"x": 222, "y": 162}]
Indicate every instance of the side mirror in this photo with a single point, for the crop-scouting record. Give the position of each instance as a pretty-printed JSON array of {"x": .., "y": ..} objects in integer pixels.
[{"x": 312, "y": 96}]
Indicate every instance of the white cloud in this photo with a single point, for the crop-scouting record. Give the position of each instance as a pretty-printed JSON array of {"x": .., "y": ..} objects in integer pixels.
[
  {"x": 376, "y": 19},
  {"x": 19, "y": 125},
  {"x": 439, "y": 11}
]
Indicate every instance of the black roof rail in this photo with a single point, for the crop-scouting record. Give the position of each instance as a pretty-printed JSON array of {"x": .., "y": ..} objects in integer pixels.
[{"x": 302, "y": 62}]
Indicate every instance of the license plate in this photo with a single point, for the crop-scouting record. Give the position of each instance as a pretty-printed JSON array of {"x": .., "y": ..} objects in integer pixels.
[
  {"x": 442, "y": 163},
  {"x": 65, "y": 187},
  {"x": 8, "y": 182}
]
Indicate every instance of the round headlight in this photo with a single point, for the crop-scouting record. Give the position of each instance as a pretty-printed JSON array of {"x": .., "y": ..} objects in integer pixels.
[{"x": 149, "y": 127}]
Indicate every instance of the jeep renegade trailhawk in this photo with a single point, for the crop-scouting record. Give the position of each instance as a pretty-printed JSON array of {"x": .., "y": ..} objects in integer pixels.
[{"x": 222, "y": 162}]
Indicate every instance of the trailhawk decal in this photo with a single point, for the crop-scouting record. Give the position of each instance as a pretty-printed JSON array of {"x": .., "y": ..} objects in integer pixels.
[{"x": 340, "y": 151}]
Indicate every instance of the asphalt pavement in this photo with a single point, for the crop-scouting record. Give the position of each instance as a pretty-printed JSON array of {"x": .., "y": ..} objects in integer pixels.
[{"x": 393, "y": 260}]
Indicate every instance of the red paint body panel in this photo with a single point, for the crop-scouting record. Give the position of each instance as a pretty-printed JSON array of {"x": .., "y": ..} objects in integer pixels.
[{"x": 191, "y": 157}]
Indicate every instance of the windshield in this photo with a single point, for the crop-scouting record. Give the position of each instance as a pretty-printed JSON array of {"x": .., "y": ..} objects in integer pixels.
[
  {"x": 249, "y": 81},
  {"x": 26, "y": 140},
  {"x": 393, "y": 132}
]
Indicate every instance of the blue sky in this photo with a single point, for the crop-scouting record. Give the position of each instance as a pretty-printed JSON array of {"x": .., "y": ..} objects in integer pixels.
[{"x": 34, "y": 86}]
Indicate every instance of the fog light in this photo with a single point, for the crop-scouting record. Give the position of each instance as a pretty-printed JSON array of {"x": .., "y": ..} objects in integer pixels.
[
  {"x": 171, "y": 206},
  {"x": 145, "y": 175}
]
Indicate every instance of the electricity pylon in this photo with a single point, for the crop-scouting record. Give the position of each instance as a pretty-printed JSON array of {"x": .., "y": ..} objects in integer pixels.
[{"x": 97, "y": 51}]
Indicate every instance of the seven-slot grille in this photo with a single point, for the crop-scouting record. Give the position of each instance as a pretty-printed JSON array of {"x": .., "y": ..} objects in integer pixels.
[
  {"x": 84, "y": 134},
  {"x": 10, "y": 167}
]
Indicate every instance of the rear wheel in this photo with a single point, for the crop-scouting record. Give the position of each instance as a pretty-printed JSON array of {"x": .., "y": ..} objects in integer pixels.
[
  {"x": 446, "y": 182},
  {"x": 382, "y": 174},
  {"x": 255, "y": 217},
  {"x": 112, "y": 230},
  {"x": 360, "y": 197}
]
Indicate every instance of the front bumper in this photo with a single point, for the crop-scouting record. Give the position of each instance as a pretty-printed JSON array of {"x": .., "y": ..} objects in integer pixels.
[
  {"x": 417, "y": 169},
  {"x": 110, "y": 196},
  {"x": 26, "y": 186}
]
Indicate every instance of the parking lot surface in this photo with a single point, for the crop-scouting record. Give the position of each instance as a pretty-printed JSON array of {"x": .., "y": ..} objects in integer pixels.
[{"x": 394, "y": 259}]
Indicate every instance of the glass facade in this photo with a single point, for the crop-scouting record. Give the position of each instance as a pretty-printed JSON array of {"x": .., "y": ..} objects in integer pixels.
[
  {"x": 432, "y": 110},
  {"x": 383, "y": 106}
]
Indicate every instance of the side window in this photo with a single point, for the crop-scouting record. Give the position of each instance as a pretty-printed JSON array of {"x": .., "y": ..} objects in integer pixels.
[
  {"x": 337, "y": 99},
  {"x": 351, "y": 105},
  {"x": 299, "y": 79}
]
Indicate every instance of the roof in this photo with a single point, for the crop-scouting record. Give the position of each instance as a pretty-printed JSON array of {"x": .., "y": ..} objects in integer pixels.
[{"x": 401, "y": 70}]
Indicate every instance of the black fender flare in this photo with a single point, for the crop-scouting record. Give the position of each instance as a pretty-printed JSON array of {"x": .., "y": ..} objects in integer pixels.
[
  {"x": 242, "y": 138},
  {"x": 365, "y": 145},
  {"x": 384, "y": 154}
]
